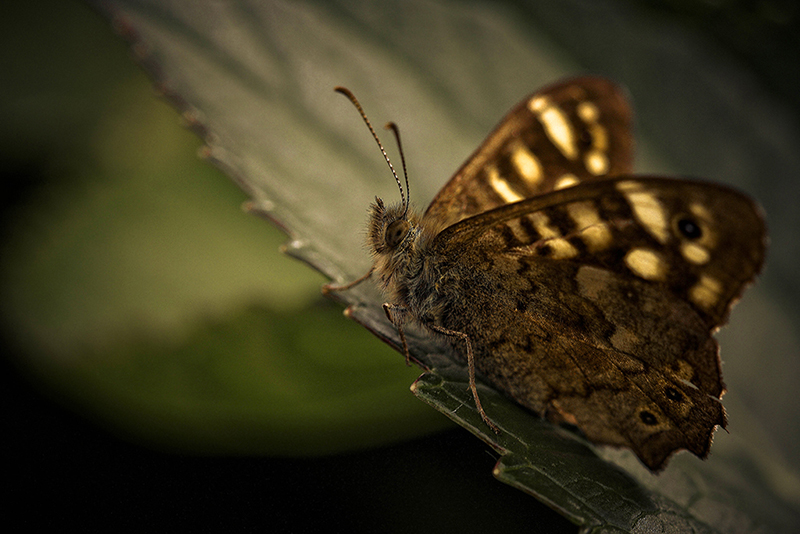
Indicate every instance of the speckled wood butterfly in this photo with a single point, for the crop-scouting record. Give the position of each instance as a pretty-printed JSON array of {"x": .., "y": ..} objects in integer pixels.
[{"x": 587, "y": 294}]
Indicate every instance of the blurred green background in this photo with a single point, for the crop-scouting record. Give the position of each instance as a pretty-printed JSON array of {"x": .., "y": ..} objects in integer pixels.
[
  {"x": 167, "y": 366},
  {"x": 152, "y": 301},
  {"x": 166, "y": 361}
]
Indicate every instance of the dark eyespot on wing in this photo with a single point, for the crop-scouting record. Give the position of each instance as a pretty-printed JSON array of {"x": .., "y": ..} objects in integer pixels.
[
  {"x": 689, "y": 228},
  {"x": 673, "y": 394},
  {"x": 648, "y": 418}
]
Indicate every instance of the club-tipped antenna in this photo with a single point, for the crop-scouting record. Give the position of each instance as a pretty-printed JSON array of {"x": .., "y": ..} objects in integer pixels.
[{"x": 391, "y": 126}]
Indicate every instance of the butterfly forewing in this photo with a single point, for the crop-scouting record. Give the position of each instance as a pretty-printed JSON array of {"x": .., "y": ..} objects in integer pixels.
[
  {"x": 565, "y": 134},
  {"x": 702, "y": 242}
]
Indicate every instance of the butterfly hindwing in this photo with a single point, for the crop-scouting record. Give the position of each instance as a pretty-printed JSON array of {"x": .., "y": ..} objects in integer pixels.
[
  {"x": 597, "y": 303},
  {"x": 565, "y": 134}
]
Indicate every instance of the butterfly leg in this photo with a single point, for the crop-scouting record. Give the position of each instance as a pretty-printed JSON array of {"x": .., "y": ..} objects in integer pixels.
[
  {"x": 389, "y": 308},
  {"x": 471, "y": 366},
  {"x": 331, "y": 287}
]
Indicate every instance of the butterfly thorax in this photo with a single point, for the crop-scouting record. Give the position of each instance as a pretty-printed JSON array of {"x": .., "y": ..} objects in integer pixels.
[{"x": 412, "y": 277}]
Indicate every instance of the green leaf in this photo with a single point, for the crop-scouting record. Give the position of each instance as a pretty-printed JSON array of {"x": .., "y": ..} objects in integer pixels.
[{"x": 255, "y": 82}]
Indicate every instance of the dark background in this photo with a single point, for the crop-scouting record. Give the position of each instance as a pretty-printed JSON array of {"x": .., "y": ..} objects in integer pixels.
[{"x": 64, "y": 470}]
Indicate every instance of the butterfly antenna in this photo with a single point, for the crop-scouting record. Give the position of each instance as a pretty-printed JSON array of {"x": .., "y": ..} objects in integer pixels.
[
  {"x": 396, "y": 131},
  {"x": 346, "y": 92}
]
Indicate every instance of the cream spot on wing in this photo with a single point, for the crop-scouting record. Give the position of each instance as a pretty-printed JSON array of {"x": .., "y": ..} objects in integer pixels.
[
  {"x": 542, "y": 224},
  {"x": 706, "y": 292},
  {"x": 501, "y": 186},
  {"x": 519, "y": 232},
  {"x": 560, "y": 248},
  {"x": 700, "y": 211},
  {"x": 588, "y": 112},
  {"x": 596, "y": 237},
  {"x": 537, "y": 104},
  {"x": 648, "y": 209},
  {"x": 646, "y": 263},
  {"x": 566, "y": 180},
  {"x": 526, "y": 164},
  {"x": 593, "y": 231},
  {"x": 695, "y": 253},
  {"x": 596, "y": 162},
  {"x": 583, "y": 213},
  {"x": 556, "y": 125}
]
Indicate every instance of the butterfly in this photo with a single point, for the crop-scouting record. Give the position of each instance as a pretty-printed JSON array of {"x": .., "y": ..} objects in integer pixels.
[{"x": 586, "y": 293}]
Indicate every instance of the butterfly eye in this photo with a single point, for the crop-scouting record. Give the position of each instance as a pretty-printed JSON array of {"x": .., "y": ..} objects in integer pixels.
[
  {"x": 395, "y": 232},
  {"x": 689, "y": 227}
]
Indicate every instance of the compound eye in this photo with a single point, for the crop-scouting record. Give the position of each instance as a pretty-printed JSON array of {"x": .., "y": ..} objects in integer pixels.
[{"x": 396, "y": 232}]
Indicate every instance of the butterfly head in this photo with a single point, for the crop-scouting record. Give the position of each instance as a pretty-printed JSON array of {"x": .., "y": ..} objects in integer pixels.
[
  {"x": 392, "y": 238},
  {"x": 391, "y": 229}
]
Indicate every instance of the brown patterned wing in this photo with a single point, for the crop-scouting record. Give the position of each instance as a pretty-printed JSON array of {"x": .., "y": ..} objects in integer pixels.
[
  {"x": 595, "y": 305},
  {"x": 571, "y": 132}
]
